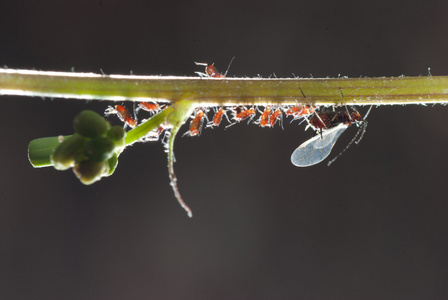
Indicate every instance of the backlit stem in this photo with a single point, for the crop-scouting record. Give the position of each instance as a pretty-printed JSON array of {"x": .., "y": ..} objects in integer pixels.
[{"x": 226, "y": 91}]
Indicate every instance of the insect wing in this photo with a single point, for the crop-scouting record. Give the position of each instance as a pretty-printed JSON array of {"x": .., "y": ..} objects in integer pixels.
[{"x": 317, "y": 148}]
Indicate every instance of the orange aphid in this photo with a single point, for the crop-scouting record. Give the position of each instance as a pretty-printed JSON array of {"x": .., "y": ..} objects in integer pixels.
[
  {"x": 217, "y": 118},
  {"x": 154, "y": 135},
  {"x": 149, "y": 106},
  {"x": 274, "y": 117},
  {"x": 210, "y": 71},
  {"x": 308, "y": 110},
  {"x": 264, "y": 118},
  {"x": 123, "y": 114},
  {"x": 244, "y": 114},
  {"x": 241, "y": 113},
  {"x": 196, "y": 124},
  {"x": 213, "y": 72},
  {"x": 299, "y": 111}
]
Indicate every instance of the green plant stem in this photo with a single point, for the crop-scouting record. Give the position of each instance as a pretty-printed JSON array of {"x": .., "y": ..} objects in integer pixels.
[
  {"x": 140, "y": 131},
  {"x": 226, "y": 91}
]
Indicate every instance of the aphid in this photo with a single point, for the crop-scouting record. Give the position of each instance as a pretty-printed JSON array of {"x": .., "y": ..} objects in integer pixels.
[
  {"x": 244, "y": 114},
  {"x": 299, "y": 111},
  {"x": 264, "y": 118},
  {"x": 330, "y": 119},
  {"x": 211, "y": 71},
  {"x": 217, "y": 118},
  {"x": 123, "y": 114},
  {"x": 329, "y": 125},
  {"x": 154, "y": 135},
  {"x": 274, "y": 117},
  {"x": 241, "y": 113},
  {"x": 149, "y": 106},
  {"x": 196, "y": 124}
]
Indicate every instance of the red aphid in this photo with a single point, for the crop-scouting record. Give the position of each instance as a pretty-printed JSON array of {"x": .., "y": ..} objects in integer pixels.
[
  {"x": 308, "y": 110},
  {"x": 196, "y": 124},
  {"x": 299, "y": 111},
  {"x": 210, "y": 71},
  {"x": 213, "y": 72},
  {"x": 242, "y": 114},
  {"x": 274, "y": 117},
  {"x": 264, "y": 118},
  {"x": 217, "y": 118},
  {"x": 149, "y": 106},
  {"x": 330, "y": 119},
  {"x": 154, "y": 135},
  {"x": 123, "y": 114},
  {"x": 160, "y": 129}
]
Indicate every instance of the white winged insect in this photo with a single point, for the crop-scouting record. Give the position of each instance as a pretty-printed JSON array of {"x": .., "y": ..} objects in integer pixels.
[
  {"x": 331, "y": 125},
  {"x": 317, "y": 148}
]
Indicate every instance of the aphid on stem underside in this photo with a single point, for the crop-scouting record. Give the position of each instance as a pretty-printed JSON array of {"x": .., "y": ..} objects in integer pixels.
[
  {"x": 264, "y": 118},
  {"x": 241, "y": 113},
  {"x": 154, "y": 135},
  {"x": 300, "y": 111},
  {"x": 196, "y": 124},
  {"x": 151, "y": 107},
  {"x": 217, "y": 118},
  {"x": 123, "y": 114},
  {"x": 275, "y": 116}
]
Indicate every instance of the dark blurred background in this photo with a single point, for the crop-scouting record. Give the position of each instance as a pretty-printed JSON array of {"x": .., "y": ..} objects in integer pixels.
[{"x": 371, "y": 226}]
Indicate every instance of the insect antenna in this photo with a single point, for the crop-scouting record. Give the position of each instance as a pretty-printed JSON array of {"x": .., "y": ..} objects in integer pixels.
[
  {"x": 368, "y": 112},
  {"x": 361, "y": 130},
  {"x": 360, "y": 133},
  {"x": 346, "y": 108},
  {"x": 134, "y": 108},
  {"x": 304, "y": 97},
  {"x": 225, "y": 74},
  {"x": 363, "y": 124}
]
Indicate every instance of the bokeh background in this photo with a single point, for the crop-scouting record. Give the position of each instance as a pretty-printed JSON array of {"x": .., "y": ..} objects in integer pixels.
[{"x": 372, "y": 226}]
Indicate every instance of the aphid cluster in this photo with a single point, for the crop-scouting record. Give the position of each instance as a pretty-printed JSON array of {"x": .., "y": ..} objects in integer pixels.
[
  {"x": 268, "y": 117},
  {"x": 125, "y": 116},
  {"x": 328, "y": 123}
]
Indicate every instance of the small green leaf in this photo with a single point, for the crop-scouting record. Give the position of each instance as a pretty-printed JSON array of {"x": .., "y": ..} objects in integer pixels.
[{"x": 113, "y": 162}]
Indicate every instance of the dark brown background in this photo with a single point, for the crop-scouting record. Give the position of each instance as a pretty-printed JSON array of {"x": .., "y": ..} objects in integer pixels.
[{"x": 372, "y": 226}]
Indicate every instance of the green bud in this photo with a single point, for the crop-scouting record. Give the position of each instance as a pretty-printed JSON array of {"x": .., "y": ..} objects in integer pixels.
[
  {"x": 89, "y": 171},
  {"x": 99, "y": 149},
  {"x": 90, "y": 124},
  {"x": 66, "y": 153},
  {"x": 117, "y": 134}
]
